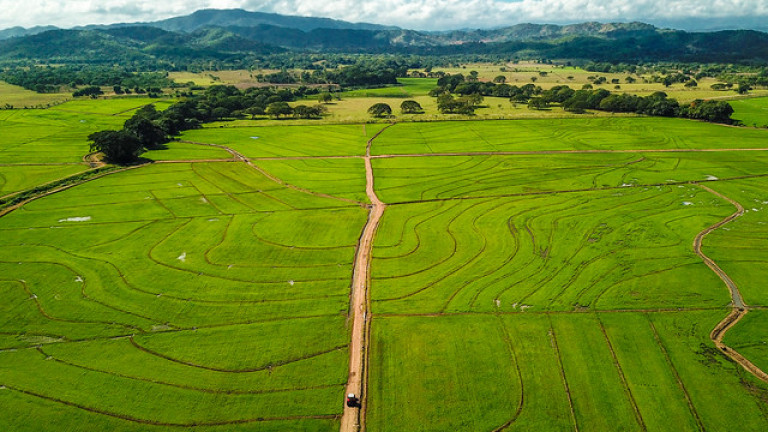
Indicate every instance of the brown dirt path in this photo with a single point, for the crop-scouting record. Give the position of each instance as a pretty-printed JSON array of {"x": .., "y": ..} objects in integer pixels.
[
  {"x": 740, "y": 309},
  {"x": 738, "y": 302},
  {"x": 353, "y": 419}
]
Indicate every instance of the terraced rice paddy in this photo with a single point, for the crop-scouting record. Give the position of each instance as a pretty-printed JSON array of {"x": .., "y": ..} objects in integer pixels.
[{"x": 525, "y": 275}]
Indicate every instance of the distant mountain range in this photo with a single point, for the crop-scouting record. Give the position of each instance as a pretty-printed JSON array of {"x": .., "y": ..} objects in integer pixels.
[{"x": 235, "y": 34}]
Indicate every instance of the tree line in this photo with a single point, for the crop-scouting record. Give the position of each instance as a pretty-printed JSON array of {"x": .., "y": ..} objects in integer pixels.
[
  {"x": 150, "y": 129},
  {"x": 47, "y": 79},
  {"x": 470, "y": 92}
]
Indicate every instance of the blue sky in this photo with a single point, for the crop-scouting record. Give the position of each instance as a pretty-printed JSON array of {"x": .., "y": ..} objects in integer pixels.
[{"x": 415, "y": 14}]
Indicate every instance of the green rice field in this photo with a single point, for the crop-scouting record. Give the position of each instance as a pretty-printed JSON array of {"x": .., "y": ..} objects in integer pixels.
[
  {"x": 751, "y": 112},
  {"x": 526, "y": 275}
]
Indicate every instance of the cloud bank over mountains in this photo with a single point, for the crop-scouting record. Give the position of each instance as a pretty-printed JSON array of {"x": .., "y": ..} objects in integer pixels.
[{"x": 412, "y": 14}]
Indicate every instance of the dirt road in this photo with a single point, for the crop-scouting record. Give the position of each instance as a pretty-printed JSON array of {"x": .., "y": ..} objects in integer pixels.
[
  {"x": 739, "y": 307},
  {"x": 738, "y": 302},
  {"x": 353, "y": 419}
]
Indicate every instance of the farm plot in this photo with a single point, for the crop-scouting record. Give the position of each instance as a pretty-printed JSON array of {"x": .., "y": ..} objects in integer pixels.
[
  {"x": 113, "y": 107},
  {"x": 205, "y": 284},
  {"x": 296, "y": 141},
  {"x": 17, "y": 178},
  {"x": 563, "y": 134},
  {"x": 741, "y": 247},
  {"x": 343, "y": 178},
  {"x": 59, "y": 134},
  {"x": 750, "y": 338},
  {"x": 751, "y": 112},
  {"x": 20, "y": 97},
  {"x": 405, "y": 179},
  {"x": 610, "y": 371},
  {"x": 598, "y": 250}
]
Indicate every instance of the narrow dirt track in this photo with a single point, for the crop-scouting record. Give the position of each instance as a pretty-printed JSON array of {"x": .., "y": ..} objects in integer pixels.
[
  {"x": 740, "y": 309},
  {"x": 738, "y": 302},
  {"x": 353, "y": 419}
]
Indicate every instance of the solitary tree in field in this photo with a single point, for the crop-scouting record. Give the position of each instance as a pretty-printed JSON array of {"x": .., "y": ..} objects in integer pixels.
[
  {"x": 411, "y": 107},
  {"x": 380, "y": 110},
  {"x": 325, "y": 97},
  {"x": 501, "y": 79},
  {"x": 743, "y": 88},
  {"x": 119, "y": 147}
]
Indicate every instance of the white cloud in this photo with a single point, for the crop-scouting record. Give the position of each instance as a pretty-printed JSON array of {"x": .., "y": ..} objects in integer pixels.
[{"x": 418, "y": 14}]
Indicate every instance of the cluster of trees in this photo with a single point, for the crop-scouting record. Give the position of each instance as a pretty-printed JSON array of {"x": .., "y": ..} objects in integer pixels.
[
  {"x": 47, "y": 79},
  {"x": 656, "y": 104},
  {"x": 470, "y": 85},
  {"x": 448, "y": 104},
  {"x": 91, "y": 91},
  {"x": 384, "y": 110},
  {"x": 471, "y": 92},
  {"x": 361, "y": 74},
  {"x": 150, "y": 129}
]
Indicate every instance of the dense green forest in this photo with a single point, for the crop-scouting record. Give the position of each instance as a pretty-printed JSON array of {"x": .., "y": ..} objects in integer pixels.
[{"x": 239, "y": 38}]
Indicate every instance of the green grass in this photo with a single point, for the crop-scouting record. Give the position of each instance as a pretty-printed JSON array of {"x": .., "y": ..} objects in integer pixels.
[
  {"x": 206, "y": 284},
  {"x": 59, "y": 134},
  {"x": 741, "y": 247},
  {"x": 623, "y": 371},
  {"x": 725, "y": 396},
  {"x": 750, "y": 338},
  {"x": 751, "y": 112},
  {"x": 115, "y": 107},
  {"x": 553, "y": 252},
  {"x": 179, "y": 151},
  {"x": 19, "y": 97},
  {"x": 649, "y": 375},
  {"x": 407, "y": 88},
  {"x": 343, "y": 178},
  {"x": 563, "y": 134},
  {"x": 600, "y": 400},
  {"x": 438, "y": 374},
  {"x": 276, "y": 141},
  {"x": 209, "y": 293},
  {"x": 17, "y": 178},
  {"x": 405, "y": 179}
]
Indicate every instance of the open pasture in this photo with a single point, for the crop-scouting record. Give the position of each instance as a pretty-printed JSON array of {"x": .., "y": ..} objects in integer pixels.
[
  {"x": 114, "y": 107},
  {"x": 288, "y": 141},
  {"x": 407, "y": 88},
  {"x": 343, "y": 178},
  {"x": 600, "y": 250},
  {"x": 405, "y": 179},
  {"x": 15, "y": 178},
  {"x": 607, "y": 371},
  {"x": 563, "y": 134},
  {"x": 59, "y": 134},
  {"x": 741, "y": 246},
  {"x": 547, "y": 76},
  {"x": 509, "y": 292},
  {"x": 751, "y": 112},
  {"x": 206, "y": 284},
  {"x": 19, "y": 97}
]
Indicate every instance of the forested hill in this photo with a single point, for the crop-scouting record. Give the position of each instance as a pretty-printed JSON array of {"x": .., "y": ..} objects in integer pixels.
[
  {"x": 241, "y": 18},
  {"x": 236, "y": 36},
  {"x": 132, "y": 44}
]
